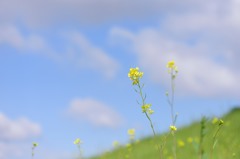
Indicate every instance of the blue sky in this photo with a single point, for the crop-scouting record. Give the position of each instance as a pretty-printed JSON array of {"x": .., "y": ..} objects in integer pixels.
[{"x": 64, "y": 65}]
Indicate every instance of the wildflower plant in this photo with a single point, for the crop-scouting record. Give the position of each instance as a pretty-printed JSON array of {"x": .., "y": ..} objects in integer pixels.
[
  {"x": 131, "y": 134},
  {"x": 135, "y": 76},
  {"x": 173, "y": 71},
  {"x": 34, "y": 145},
  {"x": 78, "y": 143},
  {"x": 219, "y": 123}
]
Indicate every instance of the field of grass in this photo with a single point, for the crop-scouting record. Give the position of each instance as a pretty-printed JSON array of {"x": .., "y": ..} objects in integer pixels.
[{"x": 188, "y": 139}]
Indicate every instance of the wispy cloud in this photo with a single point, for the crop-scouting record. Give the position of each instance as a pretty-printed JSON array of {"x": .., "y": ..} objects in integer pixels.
[
  {"x": 199, "y": 67},
  {"x": 12, "y": 36},
  {"x": 98, "y": 12},
  {"x": 78, "y": 11},
  {"x": 78, "y": 50},
  {"x": 19, "y": 129},
  {"x": 14, "y": 134},
  {"x": 94, "y": 112},
  {"x": 86, "y": 55},
  {"x": 201, "y": 37}
]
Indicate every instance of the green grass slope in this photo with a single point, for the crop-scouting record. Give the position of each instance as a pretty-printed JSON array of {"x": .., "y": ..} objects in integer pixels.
[{"x": 227, "y": 147}]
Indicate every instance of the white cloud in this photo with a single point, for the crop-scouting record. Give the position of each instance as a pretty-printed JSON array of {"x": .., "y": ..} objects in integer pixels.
[
  {"x": 82, "y": 12},
  {"x": 12, "y": 36},
  {"x": 20, "y": 129},
  {"x": 13, "y": 150},
  {"x": 94, "y": 112},
  {"x": 200, "y": 73},
  {"x": 86, "y": 55},
  {"x": 78, "y": 50},
  {"x": 43, "y": 12},
  {"x": 25, "y": 43},
  {"x": 203, "y": 37},
  {"x": 14, "y": 135}
]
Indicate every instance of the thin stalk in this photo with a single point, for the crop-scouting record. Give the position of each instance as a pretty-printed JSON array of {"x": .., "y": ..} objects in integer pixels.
[
  {"x": 149, "y": 119},
  {"x": 172, "y": 112},
  {"x": 214, "y": 140},
  {"x": 80, "y": 152},
  {"x": 32, "y": 152}
]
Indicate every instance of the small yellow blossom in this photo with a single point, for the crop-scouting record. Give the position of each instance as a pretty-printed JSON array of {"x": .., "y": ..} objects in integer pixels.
[
  {"x": 181, "y": 143},
  {"x": 115, "y": 144},
  {"x": 145, "y": 107},
  {"x": 215, "y": 120},
  {"x": 171, "y": 64},
  {"x": 131, "y": 132},
  {"x": 173, "y": 128},
  {"x": 134, "y": 75},
  {"x": 172, "y": 67},
  {"x": 190, "y": 140},
  {"x": 77, "y": 141},
  {"x": 150, "y": 111}
]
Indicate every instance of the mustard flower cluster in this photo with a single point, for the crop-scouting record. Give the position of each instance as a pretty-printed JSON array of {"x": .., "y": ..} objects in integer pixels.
[
  {"x": 146, "y": 108},
  {"x": 134, "y": 74},
  {"x": 173, "y": 128},
  {"x": 77, "y": 141},
  {"x": 217, "y": 121},
  {"x": 172, "y": 68},
  {"x": 34, "y": 145},
  {"x": 131, "y": 133},
  {"x": 181, "y": 143}
]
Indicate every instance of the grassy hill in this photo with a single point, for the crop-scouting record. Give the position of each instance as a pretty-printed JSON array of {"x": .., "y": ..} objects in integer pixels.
[{"x": 188, "y": 139}]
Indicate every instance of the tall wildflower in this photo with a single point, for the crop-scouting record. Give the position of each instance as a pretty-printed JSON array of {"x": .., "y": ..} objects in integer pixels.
[
  {"x": 34, "y": 145},
  {"x": 135, "y": 75},
  {"x": 219, "y": 123},
  {"x": 173, "y": 71},
  {"x": 78, "y": 143}
]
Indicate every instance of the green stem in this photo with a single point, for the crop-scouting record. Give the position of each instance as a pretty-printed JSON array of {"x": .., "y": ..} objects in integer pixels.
[
  {"x": 214, "y": 140},
  {"x": 149, "y": 119},
  {"x": 172, "y": 112},
  {"x": 80, "y": 153}
]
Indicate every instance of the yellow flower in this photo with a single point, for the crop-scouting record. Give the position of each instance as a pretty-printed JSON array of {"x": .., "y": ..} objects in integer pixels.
[
  {"x": 173, "y": 128},
  {"x": 77, "y": 141},
  {"x": 131, "y": 132},
  {"x": 135, "y": 75},
  {"x": 190, "y": 140},
  {"x": 150, "y": 111},
  {"x": 145, "y": 107},
  {"x": 171, "y": 64},
  {"x": 181, "y": 143},
  {"x": 172, "y": 67},
  {"x": 115, "y": 144},
  {"x": 215, "y": 120}
]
